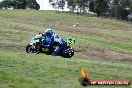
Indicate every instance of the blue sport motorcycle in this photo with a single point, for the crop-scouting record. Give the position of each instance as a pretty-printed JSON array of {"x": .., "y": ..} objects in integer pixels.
[{"x": 36, "y": 47}]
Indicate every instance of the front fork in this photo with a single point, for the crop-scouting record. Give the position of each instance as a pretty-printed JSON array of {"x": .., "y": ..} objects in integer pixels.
[{"x": 33, "y": 47}]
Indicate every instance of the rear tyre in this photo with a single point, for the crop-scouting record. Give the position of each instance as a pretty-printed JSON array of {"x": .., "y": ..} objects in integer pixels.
[{"x": 68, "y": 52}]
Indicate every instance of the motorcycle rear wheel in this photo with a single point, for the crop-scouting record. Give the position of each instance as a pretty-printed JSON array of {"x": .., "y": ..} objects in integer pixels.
[{"x": 68, "y": 52}]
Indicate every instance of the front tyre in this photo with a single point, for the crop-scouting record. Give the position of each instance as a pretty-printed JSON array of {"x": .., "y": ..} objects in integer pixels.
[{"x": 31, "y": 49}]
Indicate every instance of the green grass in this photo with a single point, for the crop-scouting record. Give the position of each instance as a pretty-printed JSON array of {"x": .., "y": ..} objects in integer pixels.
[
  {"x": 53, "y": 72},
  {"x": 21, "y": 70}
]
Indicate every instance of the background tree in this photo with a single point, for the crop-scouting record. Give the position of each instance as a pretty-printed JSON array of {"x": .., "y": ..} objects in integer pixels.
[
  {"x": 92, "y": 6},
  {"x": 32, "y": 4},
  {"x": 101, "y": 7},
  {"x": 20, "y": 4},
  {"x": 0, "y": 5},
  {"x": 130, "y": 6},
  {"x": 71, "y": 5},
  {"x": 58, "y": 4},
  {"x": 5, "y": 3},
  {"x": 81, "y": 6},
  {"x": 119, "y": 9}
]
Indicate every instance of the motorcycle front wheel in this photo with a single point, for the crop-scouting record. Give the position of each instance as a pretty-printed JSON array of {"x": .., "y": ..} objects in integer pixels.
[{"x": 31, "y": 49}]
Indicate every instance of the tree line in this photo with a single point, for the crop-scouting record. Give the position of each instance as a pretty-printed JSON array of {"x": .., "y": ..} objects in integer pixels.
[{"x": 118, "y": 9}]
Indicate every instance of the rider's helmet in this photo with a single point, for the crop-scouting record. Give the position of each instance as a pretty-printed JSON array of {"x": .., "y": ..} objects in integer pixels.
[
  {"x": 49, "y": 32},
  {"x": 70, "y": 41}
]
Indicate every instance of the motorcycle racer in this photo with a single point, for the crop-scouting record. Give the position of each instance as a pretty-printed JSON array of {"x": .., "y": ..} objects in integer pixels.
[
  {"x": 64, "y": 49},
  {"x": 55, "y": 39}
]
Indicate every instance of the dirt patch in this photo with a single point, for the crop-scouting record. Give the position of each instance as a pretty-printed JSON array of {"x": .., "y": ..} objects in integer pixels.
[{"x": 104, "y": 54}]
